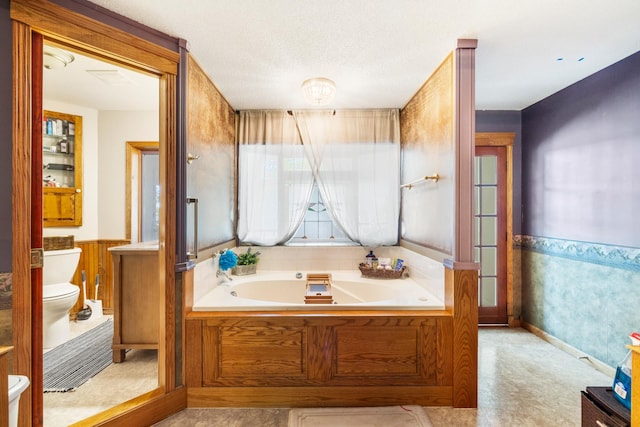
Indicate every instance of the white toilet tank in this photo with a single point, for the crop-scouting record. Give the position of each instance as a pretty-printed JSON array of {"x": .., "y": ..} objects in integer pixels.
[{"x": 60, "y": 265}]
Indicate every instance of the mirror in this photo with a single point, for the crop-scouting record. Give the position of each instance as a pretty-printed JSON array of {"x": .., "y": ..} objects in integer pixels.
[{"x": 116, "y": 105}]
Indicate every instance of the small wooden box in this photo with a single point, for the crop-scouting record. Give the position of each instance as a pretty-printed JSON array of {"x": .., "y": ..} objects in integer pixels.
[{"x": 318, "y": 289}]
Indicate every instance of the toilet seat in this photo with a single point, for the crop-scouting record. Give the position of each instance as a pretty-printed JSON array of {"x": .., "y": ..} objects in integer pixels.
[{"x": 59, "y": 291}]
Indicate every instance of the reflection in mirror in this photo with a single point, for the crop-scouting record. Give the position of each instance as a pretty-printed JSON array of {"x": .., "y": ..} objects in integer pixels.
[
  {"x": 150, "y": 203},
  {"x": 142, "y": 177},
  {"x": 117, "y": 105},
  {"x": 6, "y": 291}
]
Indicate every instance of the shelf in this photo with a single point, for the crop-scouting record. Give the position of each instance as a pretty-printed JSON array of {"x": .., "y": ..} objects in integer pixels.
[
  {"x": 50, "y": 153},
  {"x": 47, "y": 168},
  {"x": 63, "y": 137},
  {"x": 62, "y": 170}
]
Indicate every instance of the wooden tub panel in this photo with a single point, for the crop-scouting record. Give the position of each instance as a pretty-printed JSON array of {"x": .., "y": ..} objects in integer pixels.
[
  {"x": 261, "y": 352},
  {"x": 321, "y": 353},
  {"x": 194, "y": 365},
  {"x": 317, "y": 351},
  {"x": 389, "y": 350}
]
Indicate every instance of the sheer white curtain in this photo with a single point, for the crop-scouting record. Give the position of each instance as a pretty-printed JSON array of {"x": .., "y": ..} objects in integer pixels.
[
  {"x": 355, "y": 159},
  {"x": 274, "y": 178}
]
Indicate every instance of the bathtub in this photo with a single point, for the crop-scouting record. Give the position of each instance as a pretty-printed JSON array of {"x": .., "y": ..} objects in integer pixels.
[
  {"x": 282, "y": 290},
  {"x": 252, "y": 342}
]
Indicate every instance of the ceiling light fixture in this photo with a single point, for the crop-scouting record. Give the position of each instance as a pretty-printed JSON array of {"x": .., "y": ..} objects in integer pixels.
[
  {"x": 54, "y": 59},
  {"x": 318, "y": 91}
]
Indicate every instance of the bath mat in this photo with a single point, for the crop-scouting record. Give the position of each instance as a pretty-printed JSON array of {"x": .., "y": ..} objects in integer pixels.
[
  {"x": 73, "y": 363},
  {"x": 384, "y": 416}
]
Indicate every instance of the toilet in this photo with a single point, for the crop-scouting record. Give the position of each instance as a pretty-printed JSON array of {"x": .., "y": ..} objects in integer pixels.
[
  {"x": 58, "y": 294},
  {"x": 17, "y": 384}
]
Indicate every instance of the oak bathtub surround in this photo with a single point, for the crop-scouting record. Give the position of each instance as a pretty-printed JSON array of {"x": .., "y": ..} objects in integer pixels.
[{"x": 338, "y": 358}]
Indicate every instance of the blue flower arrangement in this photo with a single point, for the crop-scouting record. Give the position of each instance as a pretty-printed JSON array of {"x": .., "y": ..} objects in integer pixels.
[{"x": 228, "y": 259}]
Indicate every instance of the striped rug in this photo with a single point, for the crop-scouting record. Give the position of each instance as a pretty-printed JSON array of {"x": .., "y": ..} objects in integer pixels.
[{"x": 73, "y": 363}]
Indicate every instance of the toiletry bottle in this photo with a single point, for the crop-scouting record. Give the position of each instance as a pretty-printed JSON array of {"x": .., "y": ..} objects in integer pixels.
[{"x": 370, "y": 258}]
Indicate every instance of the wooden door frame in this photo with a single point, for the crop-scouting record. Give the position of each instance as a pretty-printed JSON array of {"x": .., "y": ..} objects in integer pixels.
[
  {"x": 43, "y": 19},
  {"x": 136, "y": 148},
  {"x": 505, "y": 139}
]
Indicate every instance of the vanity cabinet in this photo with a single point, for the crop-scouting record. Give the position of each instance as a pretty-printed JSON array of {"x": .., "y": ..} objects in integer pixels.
[
  {"x": 136, "y": 298},
  {"x": 62, "y": 169}
]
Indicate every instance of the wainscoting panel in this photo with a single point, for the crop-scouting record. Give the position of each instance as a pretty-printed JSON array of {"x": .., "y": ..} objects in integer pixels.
[
  {"x": 584, "y": 294},
  {"x": 95, "y": 259}
]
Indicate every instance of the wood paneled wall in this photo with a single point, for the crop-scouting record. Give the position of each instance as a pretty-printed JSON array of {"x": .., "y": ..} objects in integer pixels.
[
  {"x": 95, "y": 259},
  {"x": 427, "y": 134},
  {"x": 211, "y": 135}
]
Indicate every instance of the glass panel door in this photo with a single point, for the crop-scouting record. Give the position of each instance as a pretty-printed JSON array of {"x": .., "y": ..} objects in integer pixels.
[{"x": 490, "y": 233}]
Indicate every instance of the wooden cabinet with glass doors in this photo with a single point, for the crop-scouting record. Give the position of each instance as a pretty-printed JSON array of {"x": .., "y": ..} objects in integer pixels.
[{"x": 62, "y": 169}]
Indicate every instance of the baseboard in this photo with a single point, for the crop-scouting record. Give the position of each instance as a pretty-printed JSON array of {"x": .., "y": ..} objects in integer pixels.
[
  {"x": 514, "y": 322},
  {"x": 595, "y": 363},
  {"x": 144, "y": 410},
  {"x": 348, "y": 396}
]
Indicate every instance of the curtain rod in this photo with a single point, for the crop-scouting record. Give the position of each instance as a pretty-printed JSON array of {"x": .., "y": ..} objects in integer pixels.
[
  {"x": 289, "y": 112},
  {"x": 409, "y": 185}
]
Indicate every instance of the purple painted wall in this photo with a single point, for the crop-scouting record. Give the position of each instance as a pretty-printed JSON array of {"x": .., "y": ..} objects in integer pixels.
[
  {"x": 507, "y": 121},
  {"x": 581, "y": 159},
  {"x": 5, "y": 137}
]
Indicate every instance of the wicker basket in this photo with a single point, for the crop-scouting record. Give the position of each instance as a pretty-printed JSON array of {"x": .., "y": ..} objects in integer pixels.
[
  {"x": 380, "y": 273},
  {"x": 55, "y": 243}
]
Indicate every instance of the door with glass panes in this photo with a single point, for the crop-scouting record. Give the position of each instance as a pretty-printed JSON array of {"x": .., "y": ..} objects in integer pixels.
[{"x": 491, "y": 233}]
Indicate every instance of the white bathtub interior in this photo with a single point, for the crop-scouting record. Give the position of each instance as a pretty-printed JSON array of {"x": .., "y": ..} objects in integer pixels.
[{"x": 279, "y": 288}]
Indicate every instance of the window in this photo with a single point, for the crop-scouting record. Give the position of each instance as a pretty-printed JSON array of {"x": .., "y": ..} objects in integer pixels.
[
  {"x": 286, "y": 162},
  {"x": 318, "y": 227}
]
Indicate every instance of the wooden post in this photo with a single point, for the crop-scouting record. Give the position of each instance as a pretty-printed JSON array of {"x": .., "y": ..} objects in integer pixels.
[
  {"x": 4, "y": 385},
  {"x": 461, "y": 297}
]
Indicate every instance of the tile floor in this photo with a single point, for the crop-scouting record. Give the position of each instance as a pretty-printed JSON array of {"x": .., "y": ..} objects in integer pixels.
[{"x": 523, "y": 381}]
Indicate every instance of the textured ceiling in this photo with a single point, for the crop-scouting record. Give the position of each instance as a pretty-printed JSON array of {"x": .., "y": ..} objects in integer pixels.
[{"x": 379, "y": 52}]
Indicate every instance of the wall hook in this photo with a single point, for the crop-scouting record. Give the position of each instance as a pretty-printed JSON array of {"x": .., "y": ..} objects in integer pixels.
[{"x": 192, "y": 157}]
